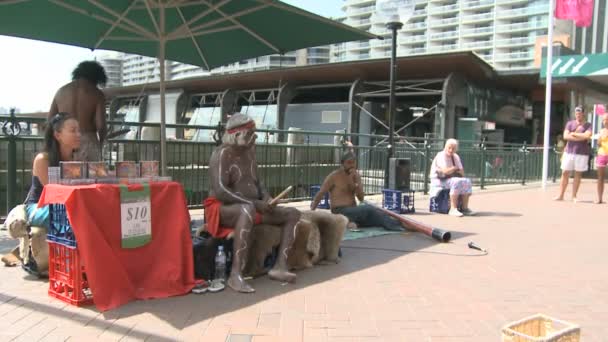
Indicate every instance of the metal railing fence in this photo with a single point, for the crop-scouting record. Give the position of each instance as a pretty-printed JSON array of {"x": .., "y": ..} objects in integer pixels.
[{"x": 301, "y": 164}]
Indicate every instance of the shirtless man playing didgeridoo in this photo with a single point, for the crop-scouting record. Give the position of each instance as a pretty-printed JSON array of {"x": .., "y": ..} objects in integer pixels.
[{"x": 343, "y": 185}]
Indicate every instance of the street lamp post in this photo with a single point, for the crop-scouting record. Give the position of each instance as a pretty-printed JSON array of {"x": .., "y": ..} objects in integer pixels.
[
  {"x": 393, "y": 26},
  {"x": 394, "y": 13}
]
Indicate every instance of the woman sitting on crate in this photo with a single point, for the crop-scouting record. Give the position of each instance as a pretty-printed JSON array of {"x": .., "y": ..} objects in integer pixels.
[
  {"x": 28, "y": 222},
  {"x": 447, "y": 173}
]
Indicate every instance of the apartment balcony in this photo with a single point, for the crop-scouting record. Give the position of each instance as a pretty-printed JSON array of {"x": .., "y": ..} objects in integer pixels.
[
  {"x": 510, "y": 2},
  {"x": 184, "y": 67},
  {"x": 487, "y": 44},
  {"x": 419, "y": 13},
  {"x": 338, "y": 47},
  {"x": 444, "y": 9},
  {"x": 509, "y": 65},
  {"x": 359, "y": 45},
  {"x": 382, "y": 31},
  {"x": 444, "y": 35},
  {"x": 318, "y": 55},
  {"x": 409, "y": 40},
  {"x": 523, "y": 12},
  {"x": 354, "y": 11},
  {"x": 361, "y": 2},
  {"x": 381, "y": 54},
  {"x": 310, "y": 61},
  {"x": 441, "y": 48},
  {"x": 414, "y": 26},
  {"x": 481, "y": 17},
  {"x": 443, "y": 22},
  {"x": 400, "y": 52},
  {"x": 478, "y": 4},
  {"x": 522, "y": 26},
  {"x": 486, "y": 51},
  {"x": 479, "y": 31},
  {"x": 413, "y": 51},
  {"x": 515, "y": 41},
  {"x": 359, "y": 22},
  {"x": 487, "y": 57},
  {"x": 513, "y": 56},
  {"x": 381, "y": 43}
]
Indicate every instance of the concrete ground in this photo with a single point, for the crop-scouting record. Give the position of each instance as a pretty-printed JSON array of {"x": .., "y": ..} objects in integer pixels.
[{"x": 544, "y": 257}]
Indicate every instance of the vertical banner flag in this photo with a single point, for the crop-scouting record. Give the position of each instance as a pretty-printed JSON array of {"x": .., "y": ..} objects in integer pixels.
[
  {"x": 566, "y": 9},
  {"x": 585, "y": 13},
  {"x": 581, "y": 11}
]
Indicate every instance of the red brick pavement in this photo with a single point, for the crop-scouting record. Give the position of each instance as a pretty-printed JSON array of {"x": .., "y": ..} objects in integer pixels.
[{"x": 544, "y": 256}]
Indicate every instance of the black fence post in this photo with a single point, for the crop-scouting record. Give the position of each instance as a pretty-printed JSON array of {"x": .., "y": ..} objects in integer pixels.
[
  {"x": 555, "y": 165},
  {"x": 524, "y": 165},
  {"x": 427, "y": 153},
  {"x": 482, "y": 180}
]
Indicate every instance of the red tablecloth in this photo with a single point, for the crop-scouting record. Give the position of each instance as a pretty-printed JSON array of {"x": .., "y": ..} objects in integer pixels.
[{"x": 162, "y": 268}]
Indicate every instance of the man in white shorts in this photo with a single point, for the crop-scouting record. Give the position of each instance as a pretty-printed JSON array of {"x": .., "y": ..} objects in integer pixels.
[{"x": 576, "y": 155}]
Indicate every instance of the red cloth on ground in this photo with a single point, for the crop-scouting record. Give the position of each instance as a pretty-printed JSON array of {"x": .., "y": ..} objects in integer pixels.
[
  {"x": 212, "y": 218},
  {"x": 162, "y": 268}
]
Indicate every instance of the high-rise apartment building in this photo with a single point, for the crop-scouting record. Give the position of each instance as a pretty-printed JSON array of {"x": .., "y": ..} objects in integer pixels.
[
  {"x": 503, "y": 32},
  {"x": 112, "y": 64},
  {"x": 140, "y": 69}
]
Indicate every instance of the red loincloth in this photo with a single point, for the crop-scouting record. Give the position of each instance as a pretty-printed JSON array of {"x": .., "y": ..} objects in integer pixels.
[{"x": 212, "y": 218}]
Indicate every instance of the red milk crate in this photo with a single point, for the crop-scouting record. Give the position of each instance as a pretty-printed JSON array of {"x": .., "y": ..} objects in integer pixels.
[{"x": 67, "y": 280}]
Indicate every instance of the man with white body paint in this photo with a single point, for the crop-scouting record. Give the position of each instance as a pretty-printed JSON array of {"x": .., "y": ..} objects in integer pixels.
[{"x": 238, "y": 200}]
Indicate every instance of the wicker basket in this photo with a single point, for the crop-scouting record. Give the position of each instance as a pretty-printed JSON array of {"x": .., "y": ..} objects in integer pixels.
[{"x": 540, "y": 328}]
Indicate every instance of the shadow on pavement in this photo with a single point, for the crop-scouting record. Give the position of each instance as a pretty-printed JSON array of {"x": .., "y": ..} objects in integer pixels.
[
  {"x": 75, "y": 316},
  {"x": 183, "y": 311},
  {"x": 357, "y": 255},
  {"x": 496, "y": 213}
]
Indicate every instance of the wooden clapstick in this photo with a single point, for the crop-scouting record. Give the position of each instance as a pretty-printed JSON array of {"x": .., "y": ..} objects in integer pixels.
[{"x": 281, "y": 195}]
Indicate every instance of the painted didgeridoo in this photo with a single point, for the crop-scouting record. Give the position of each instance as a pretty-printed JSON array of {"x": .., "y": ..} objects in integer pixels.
[{"x": 436, "y": 233}]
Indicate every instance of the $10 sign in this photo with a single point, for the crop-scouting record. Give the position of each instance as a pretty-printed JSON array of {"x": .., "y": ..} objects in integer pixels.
[{"x": 135, "y": 217}]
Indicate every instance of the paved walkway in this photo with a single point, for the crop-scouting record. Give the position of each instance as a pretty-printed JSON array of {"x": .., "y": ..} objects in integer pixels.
[{"x": 544, "y": 256}]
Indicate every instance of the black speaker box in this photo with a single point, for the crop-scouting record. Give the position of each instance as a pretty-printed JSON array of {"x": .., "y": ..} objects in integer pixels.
[{"x": 399, "y": 174}]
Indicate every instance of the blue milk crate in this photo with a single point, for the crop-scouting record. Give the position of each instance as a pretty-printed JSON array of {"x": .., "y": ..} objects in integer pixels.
[
  {"x": 60, "y": 229},
  {"x": 400, "y": 202},
  {"x": 441, "y": 202},
  {"x": 324, "y": 203}
]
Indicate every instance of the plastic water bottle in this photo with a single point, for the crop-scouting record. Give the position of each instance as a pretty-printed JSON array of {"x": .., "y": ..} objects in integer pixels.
[{"x": 220, "y": 264}]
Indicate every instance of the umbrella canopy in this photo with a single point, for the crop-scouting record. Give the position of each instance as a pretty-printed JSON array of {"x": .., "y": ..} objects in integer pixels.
[{"x": 208, "y": 33}]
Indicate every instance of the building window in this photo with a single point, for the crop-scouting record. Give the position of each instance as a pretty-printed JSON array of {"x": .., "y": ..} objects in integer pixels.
[{"x": 331, "y": 116}]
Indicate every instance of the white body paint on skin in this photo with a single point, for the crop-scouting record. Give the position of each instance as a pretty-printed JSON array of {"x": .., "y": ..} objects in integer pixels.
[
  {"x": 295, "y": 230},
  {"x": 243, "y": 232},
  {"x": 222, "y": 184},
  {"x": 238, "y": 169}
]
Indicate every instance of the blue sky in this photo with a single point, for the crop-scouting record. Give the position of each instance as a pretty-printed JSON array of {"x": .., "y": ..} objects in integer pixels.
[{"x": 31, "y": 71}]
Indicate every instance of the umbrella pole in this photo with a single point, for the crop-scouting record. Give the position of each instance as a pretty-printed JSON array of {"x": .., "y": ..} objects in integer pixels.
[{"x": 161, "y": 60}]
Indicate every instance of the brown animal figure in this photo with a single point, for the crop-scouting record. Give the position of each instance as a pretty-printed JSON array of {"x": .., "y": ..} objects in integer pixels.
[
  {"x": 317, "y": 240},
  {"x": 330, "y": 230}
]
